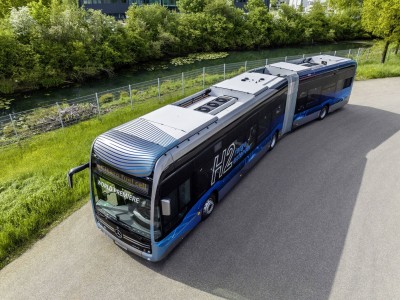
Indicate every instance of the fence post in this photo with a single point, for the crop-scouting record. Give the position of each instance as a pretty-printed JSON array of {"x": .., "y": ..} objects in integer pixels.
[
  {"x": 183, "y": 84},
  {"x": 224, "y": 71},
  {"x": 13, "y": 124},
  {"x": 266, "y": 61},
  {"x": 285, "y": 58},
  {"x": 358, "y": 54},
  {"x": 130, "y": 96},
  {"x": 334, "y": 54},
  {"x": 59, "y": 115},
  {"x": 348, "y": 55},
  {"x": 245, "y": 66},
  {"x": 204, "y": 76},
  {"x": 98, "y": 103},
  {"x": 304, "y": 55}
]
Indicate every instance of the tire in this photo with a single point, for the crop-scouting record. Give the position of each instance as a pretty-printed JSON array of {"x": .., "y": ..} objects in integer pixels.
[
  {"x": 208, "y": 207},
  {"x": 323, "y": 113},
  {"x": 274, "y": 140}
]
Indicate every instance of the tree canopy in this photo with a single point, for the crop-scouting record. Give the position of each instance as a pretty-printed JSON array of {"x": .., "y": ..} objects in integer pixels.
[
  {"x": 47, "y": 43},
  {"x": 382, "y": 19}
]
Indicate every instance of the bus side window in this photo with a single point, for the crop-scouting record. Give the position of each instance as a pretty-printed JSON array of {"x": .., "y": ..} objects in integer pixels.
[
  {"x": 327, "y": 90},
  {"x": 184, "y": 194},
  {"x": 340, "y": 85},
  {"x": 301, "y": 100},
  {"x": 278, "y": 109},
  {"x": 180, "y": 199},
  {"x": 263, "y": 125},
  {"x": 348, "y": 82},
  {"x": 313, "y": 97}
]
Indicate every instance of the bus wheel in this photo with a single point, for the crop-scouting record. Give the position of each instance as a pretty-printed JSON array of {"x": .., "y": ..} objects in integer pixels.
[
  {"x": 208, "y": 207},
  {"x": 273, "y": 141},
  {"x": 323, "y": 112}
]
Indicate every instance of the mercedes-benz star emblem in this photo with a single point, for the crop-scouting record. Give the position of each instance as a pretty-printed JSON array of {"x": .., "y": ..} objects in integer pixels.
[{"x": 118, "y": 233}]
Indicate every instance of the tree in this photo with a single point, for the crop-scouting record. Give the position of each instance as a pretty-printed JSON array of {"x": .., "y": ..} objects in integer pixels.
[
  {"x": 192, "y": 6},
  {"x": 344, "y": 4},
  {"x": 318, "y": 28},
  {"x": 224, "y": 25},
  {"x": 382, "y": 19},
  {"x": 7, "y": 5},
  {"x": 151, "y": 28},
  {"x": 288, "y": 26},
  {"x": 346, "y": 23},
  {"x": 260, "y": 23}
]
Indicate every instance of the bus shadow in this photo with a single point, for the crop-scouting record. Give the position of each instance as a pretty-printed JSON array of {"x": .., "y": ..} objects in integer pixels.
[{"x": 280, "y": 233}]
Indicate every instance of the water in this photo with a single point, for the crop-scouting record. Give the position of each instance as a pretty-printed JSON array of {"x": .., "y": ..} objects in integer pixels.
[{"x": 128, "y": 76}]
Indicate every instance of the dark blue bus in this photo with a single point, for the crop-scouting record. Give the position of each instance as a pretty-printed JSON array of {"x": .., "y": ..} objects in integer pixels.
[{"x": 155, "y": 178}]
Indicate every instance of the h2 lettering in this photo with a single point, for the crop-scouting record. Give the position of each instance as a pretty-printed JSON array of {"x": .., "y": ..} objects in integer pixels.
[{"x": 223, "y": 164}]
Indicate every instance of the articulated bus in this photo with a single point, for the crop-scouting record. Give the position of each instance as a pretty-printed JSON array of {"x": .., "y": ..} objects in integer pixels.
[{"x": 153, "y": 179}]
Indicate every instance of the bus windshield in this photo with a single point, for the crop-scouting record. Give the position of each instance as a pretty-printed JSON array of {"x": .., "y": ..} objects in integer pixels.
[{"x": 124, "y": 206}]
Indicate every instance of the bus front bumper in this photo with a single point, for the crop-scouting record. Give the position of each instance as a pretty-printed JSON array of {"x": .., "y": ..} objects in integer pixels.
[{"x": 125, "y": 246}]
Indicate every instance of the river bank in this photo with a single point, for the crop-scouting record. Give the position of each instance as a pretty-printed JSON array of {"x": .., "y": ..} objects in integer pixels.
[{"x": 158, "y": 69}]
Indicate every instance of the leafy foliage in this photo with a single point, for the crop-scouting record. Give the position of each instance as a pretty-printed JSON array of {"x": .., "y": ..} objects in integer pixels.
[
  {"x": 46, "y": 43},
  {"x": 382, "y": 19}
]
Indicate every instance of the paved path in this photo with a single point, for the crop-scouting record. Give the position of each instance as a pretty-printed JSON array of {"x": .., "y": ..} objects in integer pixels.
[{"x": 317, "y": 218}]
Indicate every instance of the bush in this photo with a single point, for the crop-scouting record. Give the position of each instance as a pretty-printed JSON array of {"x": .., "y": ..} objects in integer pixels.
[
  {"x": 106, "y": 98},
  {"x": 43, "y": 47}
]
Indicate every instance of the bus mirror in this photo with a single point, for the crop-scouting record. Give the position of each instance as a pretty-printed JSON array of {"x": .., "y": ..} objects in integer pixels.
[
  {"x": 166, "y": 207},
  {"x": 75, "y": 170}
]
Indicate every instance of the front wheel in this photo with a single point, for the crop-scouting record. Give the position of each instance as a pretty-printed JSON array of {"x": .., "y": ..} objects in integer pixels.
[
  {"x": 323, "y": 112},
  {"x": 273, "y": 141},
  {"x": 208, "y": 207}
]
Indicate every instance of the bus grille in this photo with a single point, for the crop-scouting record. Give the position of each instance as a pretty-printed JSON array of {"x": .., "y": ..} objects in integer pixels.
[{"x": 132, "y": 239}]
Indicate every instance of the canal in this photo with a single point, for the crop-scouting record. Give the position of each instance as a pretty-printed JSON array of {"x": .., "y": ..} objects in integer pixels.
[{"x": 25, "y": 101}]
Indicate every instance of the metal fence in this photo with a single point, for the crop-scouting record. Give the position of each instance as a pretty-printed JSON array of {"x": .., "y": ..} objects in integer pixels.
[{"x": 18, "y": 126}]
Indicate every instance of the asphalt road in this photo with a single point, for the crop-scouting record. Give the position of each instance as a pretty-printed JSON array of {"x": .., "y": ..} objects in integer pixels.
[{"x": 317, "y": 218}]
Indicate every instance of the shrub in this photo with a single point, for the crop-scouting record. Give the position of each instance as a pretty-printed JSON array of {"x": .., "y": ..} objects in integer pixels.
[{"x": 106, "y": 98}]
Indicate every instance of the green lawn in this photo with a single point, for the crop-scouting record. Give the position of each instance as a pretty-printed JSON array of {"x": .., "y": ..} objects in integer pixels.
[
  {"x": 33, "y": 186},
  {"x": 369, "y": 66}
]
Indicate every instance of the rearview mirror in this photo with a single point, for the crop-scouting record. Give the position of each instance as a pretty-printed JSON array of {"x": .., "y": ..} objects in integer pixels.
[
  {"x": 166, "y": 207},
  {"x": 74, "y": 171}
]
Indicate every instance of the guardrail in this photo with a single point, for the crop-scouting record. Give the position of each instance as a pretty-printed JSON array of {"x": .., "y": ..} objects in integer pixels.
[{"x": 22, "y": 125}]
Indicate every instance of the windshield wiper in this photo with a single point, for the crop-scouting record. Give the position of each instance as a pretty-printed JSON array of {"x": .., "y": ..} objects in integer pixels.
[{"x": 115, "y": 218}]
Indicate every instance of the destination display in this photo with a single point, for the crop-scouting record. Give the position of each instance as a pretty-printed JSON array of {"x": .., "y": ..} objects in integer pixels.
[{"x": 138, "y": 185}]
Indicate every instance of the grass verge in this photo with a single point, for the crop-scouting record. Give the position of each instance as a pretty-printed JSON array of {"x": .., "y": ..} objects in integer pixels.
[
  {"x": 33, "y": 188},
  {"x": 378, "y": 70},
  {"x": 369, "y": 66}
]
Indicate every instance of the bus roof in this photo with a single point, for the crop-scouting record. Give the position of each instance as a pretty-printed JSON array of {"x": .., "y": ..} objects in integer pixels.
[{"x": 135, "y": 146}]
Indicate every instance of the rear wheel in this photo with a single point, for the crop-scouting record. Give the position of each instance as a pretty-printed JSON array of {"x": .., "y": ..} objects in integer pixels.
[
  {"x": 208, "y": 207},
  {"x": 323, "y": 112},
  {"x": 274, "y": 140}
]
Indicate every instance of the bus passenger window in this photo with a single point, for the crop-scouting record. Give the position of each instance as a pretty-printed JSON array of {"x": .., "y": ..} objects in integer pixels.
[
  {"x": 340, "y": 85},
  {"x": 314, "y": 93},
  {"x": 252, "y": 135},
  {"x": 301, "y": 101},
  {"x": 313, "y": 97},
  {"x": 348, "y": 82},
  {"x": 263, "y": 124},
  {"x": 278, "y": 110},
  {"x": 329, "y": 89},
  {"x": 184, "y": 193}
]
